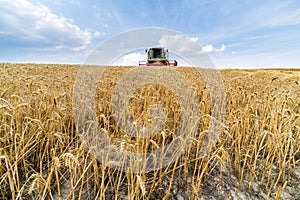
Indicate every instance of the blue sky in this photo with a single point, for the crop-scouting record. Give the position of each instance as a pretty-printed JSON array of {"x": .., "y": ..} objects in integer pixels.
[{"x": 236, "y": 34}]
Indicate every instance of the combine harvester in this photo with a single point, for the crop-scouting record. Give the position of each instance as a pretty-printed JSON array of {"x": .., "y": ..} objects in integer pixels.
[{"x": 158, "y": 56}]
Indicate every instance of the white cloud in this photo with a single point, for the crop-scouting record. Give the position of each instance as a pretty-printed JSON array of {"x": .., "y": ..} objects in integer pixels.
[
  {"x": 179, "y": 43},
  {"x": 211, "y": 49},
  {"x": 195, "y": 39},
  {"x": 98, "y": 34},
  {"x": 131, "y": 59},
  {"x": 34, "y": 22},
  {"x": 189, "y": 49},
  {"x": 285, "y": 18}
]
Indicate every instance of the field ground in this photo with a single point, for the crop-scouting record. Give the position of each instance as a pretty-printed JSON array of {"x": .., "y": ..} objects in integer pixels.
[{"x": 257, "y": 155}]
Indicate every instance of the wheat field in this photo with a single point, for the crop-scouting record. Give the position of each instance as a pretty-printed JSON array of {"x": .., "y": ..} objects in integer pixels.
[{"x": 42, "y": 155}]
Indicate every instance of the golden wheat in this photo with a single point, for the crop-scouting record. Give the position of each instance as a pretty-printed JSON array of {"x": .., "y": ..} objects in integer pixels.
[{"x": 42, "y": 154}]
